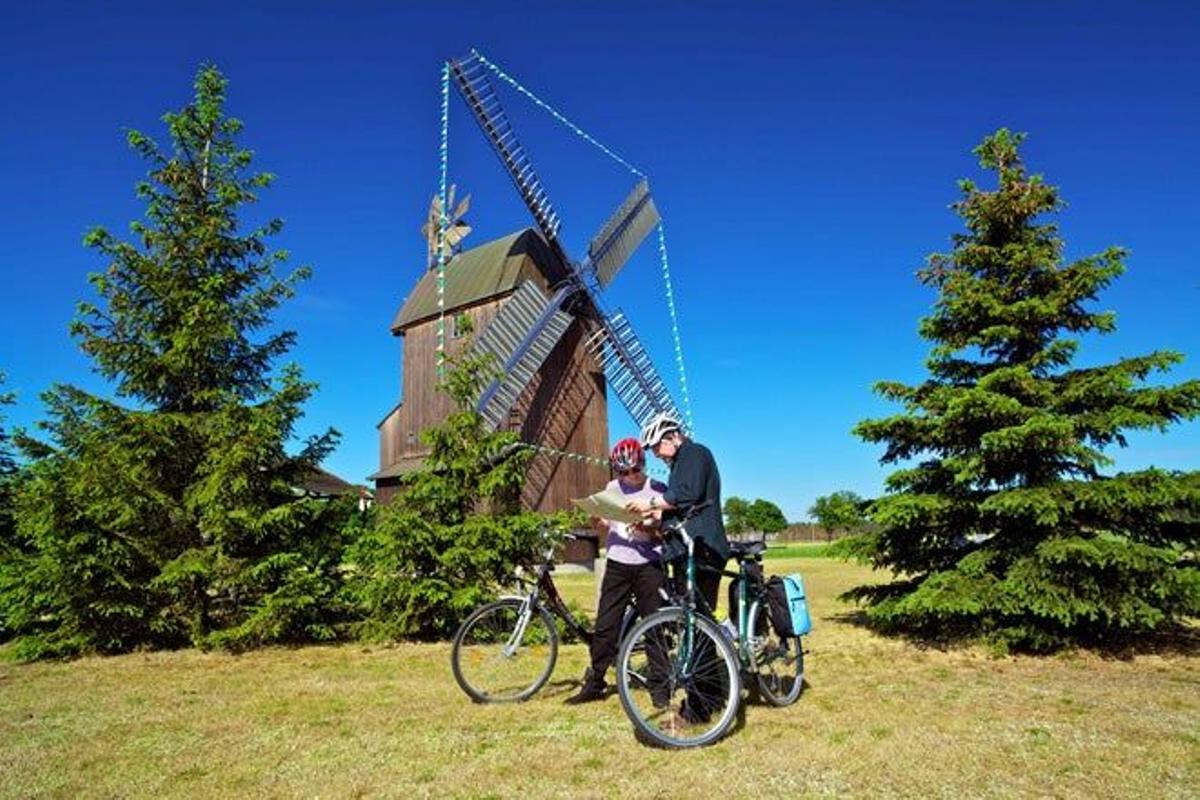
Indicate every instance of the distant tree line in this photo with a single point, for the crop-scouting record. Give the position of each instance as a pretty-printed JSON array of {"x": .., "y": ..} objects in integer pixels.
[{"x": 757, "y": 516}]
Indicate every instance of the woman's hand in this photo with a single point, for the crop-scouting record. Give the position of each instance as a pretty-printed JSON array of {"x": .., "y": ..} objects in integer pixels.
[
  {"x": 638, "y": 507},
  {"x": 650, "y": 526}
]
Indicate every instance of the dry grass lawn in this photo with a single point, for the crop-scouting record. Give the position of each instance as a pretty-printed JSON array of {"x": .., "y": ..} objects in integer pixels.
[{"x": 879, "y": 718}]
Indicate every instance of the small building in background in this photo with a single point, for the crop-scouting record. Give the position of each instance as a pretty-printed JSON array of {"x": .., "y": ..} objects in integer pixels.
[{"x": 323, "y": 484}]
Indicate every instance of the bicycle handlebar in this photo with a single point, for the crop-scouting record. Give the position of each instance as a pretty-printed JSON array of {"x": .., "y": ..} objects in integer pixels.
[{"x": 688, "y": 515}]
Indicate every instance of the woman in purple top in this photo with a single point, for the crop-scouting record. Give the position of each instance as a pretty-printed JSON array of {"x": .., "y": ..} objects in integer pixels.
[{"x": 633, "y": 567}]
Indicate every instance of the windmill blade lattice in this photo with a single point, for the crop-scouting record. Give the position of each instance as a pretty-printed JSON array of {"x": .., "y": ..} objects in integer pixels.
[
  {"x": 521, "y": 337},
  {"x": 622, "y": 234},
  {"x": 471, "y": 78},
  {"x": 629, "y": 370},
  {"x": 628, "y": 367}
]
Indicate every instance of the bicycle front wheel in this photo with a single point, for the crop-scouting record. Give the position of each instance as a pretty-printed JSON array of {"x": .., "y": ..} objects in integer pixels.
[
  {"x": 679, "y": 683},
  {"x": 778, "y": 660},
  {"x": 504, "y": 652}
]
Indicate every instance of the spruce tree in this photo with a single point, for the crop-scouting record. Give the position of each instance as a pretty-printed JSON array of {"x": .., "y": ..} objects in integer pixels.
[
  {"x": 8, "y": 469},
  {"x": 456, "y": 530},
  {"x": 9, "y": 548},
  {"x": 1005, "y": 522},
  {"x": 169, "y": 515}
]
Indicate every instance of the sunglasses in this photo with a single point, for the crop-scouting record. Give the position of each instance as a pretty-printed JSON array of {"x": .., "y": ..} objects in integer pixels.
[{"x": 633, "y": 471}]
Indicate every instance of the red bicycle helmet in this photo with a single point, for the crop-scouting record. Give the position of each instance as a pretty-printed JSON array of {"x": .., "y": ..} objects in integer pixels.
[{"x": 627, "y": 455}]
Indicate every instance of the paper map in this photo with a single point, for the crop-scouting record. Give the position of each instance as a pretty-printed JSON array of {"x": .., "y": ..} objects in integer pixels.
[{"x": 607, "y": 505}]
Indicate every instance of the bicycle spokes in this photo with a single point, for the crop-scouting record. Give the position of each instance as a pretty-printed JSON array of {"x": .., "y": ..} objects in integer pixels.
[
  {"x": 678, "y": 679},
  {"x": 505, "y": 651}
]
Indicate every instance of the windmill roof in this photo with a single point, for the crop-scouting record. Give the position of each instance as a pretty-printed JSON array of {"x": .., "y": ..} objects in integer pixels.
[{"x": 493, "y": 268}]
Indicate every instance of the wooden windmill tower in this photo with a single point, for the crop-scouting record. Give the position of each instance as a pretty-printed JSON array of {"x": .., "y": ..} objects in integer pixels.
[{"x": 540, "y": 314}]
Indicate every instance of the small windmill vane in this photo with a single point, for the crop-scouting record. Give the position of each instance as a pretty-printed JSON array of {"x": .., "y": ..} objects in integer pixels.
[{"x": 456, "y": 227}]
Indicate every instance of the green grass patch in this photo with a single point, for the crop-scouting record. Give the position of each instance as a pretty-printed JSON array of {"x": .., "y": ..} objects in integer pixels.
[
  {"x": 879, "y": 718},
  {"x": 794, "y": 550}
]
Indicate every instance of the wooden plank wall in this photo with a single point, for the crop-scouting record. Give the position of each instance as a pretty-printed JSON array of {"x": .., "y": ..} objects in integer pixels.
[
  {"x": 565, "y": 407},
  {"x": 422, "y": 405}
]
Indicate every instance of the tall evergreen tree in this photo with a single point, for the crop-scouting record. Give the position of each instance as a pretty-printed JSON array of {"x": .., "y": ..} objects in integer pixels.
[
  {"x": 1006, "y": 524},
  {"x": 8, "y": 468},
  {"x": 174, "y": 519},
  {"x": 9, "y": 547}
]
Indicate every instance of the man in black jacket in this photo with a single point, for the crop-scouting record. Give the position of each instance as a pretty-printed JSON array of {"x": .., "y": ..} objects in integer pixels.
[{"x": 694, "y": 481}]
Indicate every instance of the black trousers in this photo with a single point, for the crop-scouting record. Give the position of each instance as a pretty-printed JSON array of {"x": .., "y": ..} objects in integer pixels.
[
  {"x": 621, "y": 582},
  {"x": 708, "y": 582}
]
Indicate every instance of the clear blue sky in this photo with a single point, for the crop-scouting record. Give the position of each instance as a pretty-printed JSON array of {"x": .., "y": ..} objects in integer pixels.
[{"x": 803, "y": 156}]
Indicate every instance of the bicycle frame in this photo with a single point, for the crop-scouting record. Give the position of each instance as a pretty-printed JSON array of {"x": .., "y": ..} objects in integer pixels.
[
  {"x": 543, "y": 592},
  {"x": 689, "y": 603},
  {"x": 742, "y": 646}
]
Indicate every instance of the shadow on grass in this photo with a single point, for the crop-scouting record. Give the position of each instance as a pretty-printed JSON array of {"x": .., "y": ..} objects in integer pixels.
[
  {"x": 1178, "y": 640},
  {"x": 1173, "y": 640},
  {"x": 561, "y": 687}
]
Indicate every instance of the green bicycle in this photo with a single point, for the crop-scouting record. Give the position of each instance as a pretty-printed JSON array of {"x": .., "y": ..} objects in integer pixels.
[{"x": 680, "y": 676}]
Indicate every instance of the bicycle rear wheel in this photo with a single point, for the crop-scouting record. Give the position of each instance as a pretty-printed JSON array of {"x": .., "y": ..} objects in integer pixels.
[
  {"x": 501, "y": 655},
  {"x": 778, "y": 660},
  {"x": 679, "y": 689}
]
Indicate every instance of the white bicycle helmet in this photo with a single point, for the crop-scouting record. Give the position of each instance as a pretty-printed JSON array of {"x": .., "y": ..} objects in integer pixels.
[{"x": 659, "y": 426}]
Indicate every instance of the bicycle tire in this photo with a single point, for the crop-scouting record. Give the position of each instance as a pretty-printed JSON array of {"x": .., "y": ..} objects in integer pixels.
[
  {"x": 678, "y": 703},
  {"x": 482, "y": 646},
  {"x": 778, "y": 660}
]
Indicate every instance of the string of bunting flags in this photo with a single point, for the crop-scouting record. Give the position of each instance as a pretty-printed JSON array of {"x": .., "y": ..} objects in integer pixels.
[
  {"x": 540, "y": 103},
  {"x": 651, "y": 469},
  {"x": 443, "y": 220}
]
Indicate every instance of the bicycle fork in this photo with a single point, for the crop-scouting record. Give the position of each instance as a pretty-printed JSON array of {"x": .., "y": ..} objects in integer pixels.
[{"x": 518, "y": 633}]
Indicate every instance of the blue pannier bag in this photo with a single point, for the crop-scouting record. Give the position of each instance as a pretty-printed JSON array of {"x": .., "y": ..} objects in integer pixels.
[{"x": 788, "y": 606}]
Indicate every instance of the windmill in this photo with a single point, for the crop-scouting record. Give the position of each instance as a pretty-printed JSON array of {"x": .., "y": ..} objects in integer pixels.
[
  {"x": 541, "y": 315},
  {"x": 530, "y": 323}
]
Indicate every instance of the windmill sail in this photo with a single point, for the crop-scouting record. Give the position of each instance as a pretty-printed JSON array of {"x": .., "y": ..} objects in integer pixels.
[
  {"x": 622, "y": 234},
  {"x": 521, "y": 336},
  {"x": 629, "y": 370},
  {"x": 471, "y": 78},
  {"x": 528, "y": 325}
]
